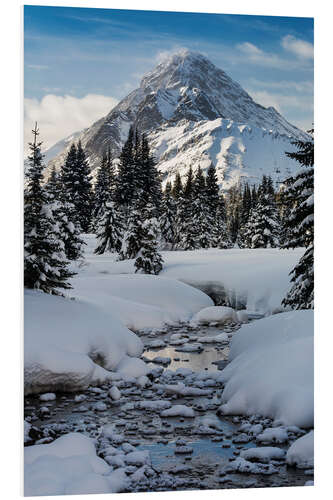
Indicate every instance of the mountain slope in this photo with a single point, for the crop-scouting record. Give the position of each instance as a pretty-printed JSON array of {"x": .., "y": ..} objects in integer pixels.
[{"x": 184, "y": 97}]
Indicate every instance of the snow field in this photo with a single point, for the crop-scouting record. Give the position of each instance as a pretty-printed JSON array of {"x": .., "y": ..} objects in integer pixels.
[{"x": 251, "y": 279}]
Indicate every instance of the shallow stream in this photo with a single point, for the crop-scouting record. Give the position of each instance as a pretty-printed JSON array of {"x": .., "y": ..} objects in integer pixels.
[{"x": 207, "y": 451}]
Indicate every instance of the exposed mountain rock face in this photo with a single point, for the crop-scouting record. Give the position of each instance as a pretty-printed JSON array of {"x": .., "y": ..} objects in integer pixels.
[{"x": 194, "y": 113}]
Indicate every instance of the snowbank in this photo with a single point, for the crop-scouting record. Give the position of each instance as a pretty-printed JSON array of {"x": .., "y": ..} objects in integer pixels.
[
  {"x": 255, "y": 279},
  {"x": 252, "y": 279},
  {"x": 271, "y": 369},
  {"x": 301, "y": 452},
  {"x": 67, "y": 466},
  {"x": 70, "y": 345},
  {"x": 139, "y": 301}
]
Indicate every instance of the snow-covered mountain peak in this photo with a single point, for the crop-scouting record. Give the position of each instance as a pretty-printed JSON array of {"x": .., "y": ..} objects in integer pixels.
[{"x": 186, "y": 91}]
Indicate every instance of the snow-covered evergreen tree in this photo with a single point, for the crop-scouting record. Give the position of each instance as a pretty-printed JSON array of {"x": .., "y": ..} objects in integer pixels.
[
  {"x": 202, "y": 219},
  {"x": 149, "y": 260},
  {"x": 45, "y": 263},
  {"x": 102, "y": 187},
  {"x": 263, "y": 227},
  {"x": 133, "y": 235},
  {"x": 84, "y": 196},
  {"x": 125, "y": 182},
  {"x": 64, "y": 214},
  {"x": 109, "y": 229},
  {"x": 186, "y": 234},
  {"x": 212, "y": 191},
  {"x": 299, "y": 192},
  {"x": 177, "y": 187},
  {"x": 147, "y": 176},
  {"x": 168, "y": 218},
  {"x": 220, "y": 234}
]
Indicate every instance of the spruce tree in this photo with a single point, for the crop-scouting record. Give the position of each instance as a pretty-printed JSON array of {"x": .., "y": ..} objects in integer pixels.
[
  {"x": 201, "y": 218},
  {"x": 212, "y": 191},
  {"x": 102, "y": 193},
  {"x": 299, "y": 190},
  {"x": 148, "y": 178},
  {"x": 263, "y": 227},
  {"x": 125, "y": 189},
  {"x": 45, "y": 263},
  {"x": 64, "y": 214},
  {"x": 84, "y": 197},
  {"x": 186, "y": 234},
  {"x": 177, "y": 187},
  {"x": 109, "y": 230},
  {"x": 220, "y": 234},
  {"x": 133, "y": 235},
  {"x": 148, "y": 259},
  {"x": 168, "y": 218}
]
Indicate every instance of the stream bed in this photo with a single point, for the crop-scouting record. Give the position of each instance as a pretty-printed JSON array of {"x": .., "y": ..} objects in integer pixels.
[{"x": 196, "y": 452}]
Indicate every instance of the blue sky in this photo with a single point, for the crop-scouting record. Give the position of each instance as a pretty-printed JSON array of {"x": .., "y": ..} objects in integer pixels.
[{"x": 79, "y": 62}]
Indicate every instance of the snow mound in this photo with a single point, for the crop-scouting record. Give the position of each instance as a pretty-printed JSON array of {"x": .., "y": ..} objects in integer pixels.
[
  {"x": 69, "y": 465},
  {"x": 271, "y": 369},
  {"x": 252, "y": 279},
  {"x": 70, "y": 345},
  {"x": 138, "y": 301},
  {"x": 218, "y": 314},
  {"x": 301, "y": 452}
]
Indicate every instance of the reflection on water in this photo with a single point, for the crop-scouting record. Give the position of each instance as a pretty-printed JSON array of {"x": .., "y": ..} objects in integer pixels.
[{"x": 194, "y": 361}]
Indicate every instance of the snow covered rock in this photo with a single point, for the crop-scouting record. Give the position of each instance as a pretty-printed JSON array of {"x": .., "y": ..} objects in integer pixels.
[
  {"x": 70, "y": 344},
  {"x": 69, "y": 465},
  {"x": 271, "y": 369},
  {"x": 301, "y": 452},
  {"x": 264, "y": 454},
  {"x": 178, "y": 411},
  {"x": 216, "y": 314},
  {"x": 50, "y": 396},
  {"x": 242, "y": 465},
  {"x": 114, "y": 393}
]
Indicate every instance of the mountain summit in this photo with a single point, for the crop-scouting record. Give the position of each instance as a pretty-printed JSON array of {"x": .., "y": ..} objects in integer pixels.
[{"x": 183, "y": 96}]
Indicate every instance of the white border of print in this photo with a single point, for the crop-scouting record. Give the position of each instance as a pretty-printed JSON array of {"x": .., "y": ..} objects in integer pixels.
[{"x": 11, "y": 229}]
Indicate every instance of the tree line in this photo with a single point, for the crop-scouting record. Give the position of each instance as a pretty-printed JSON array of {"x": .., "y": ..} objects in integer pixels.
[{"x": 132, "y": 216}]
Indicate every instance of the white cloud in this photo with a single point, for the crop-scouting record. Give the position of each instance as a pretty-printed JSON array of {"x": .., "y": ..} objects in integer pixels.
[
  {"x": 300, "y": 48},
  {"x": 250, "y": 49},
  {"x": 256, "y": 55},
  {"x": 60, "y": 116},
  {"x": 282, "y": 103},
  {"x": 163, "y": 55}
]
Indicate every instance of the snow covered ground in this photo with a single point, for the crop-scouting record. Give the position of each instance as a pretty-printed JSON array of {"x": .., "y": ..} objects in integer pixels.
[
  {"x": 255, "y": 279},
  {"x": 139, "y": 301}
]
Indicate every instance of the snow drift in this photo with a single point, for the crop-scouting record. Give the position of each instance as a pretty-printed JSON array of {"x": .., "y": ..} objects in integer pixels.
[
  {"x": 271, "y": 369},
  {"x": 69, "y": 466},
  {"x": 70, "y": 345},
  {"x": 252, "y": 279},
  {"x": 139, "y": 301}
]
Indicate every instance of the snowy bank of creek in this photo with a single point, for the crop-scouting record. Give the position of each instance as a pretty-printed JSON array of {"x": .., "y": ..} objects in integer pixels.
[{"x": 163, "y": 431}]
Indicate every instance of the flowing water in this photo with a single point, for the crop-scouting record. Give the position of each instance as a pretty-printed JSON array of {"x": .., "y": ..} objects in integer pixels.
[{"x": 205, "y": 462}]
